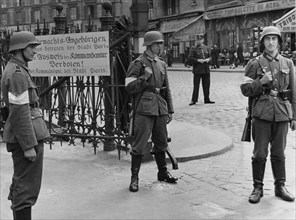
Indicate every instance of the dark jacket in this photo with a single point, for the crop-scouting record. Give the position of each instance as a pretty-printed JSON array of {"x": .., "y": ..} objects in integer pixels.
[
  {"x": 199, "y": 52},
  {"x": 267, "y": 105},
  {"x": 148, "y": 101}
]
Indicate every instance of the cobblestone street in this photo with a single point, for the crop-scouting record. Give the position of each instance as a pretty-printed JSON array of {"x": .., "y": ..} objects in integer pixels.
[{"x": 80, "y": 185}]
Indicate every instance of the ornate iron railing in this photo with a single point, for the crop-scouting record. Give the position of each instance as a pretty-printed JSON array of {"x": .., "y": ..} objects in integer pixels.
[{"x": 91, "y": 108}]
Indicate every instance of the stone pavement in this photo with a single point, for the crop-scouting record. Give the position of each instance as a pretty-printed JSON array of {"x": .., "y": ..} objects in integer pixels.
[{"x": 80, "y": 185}]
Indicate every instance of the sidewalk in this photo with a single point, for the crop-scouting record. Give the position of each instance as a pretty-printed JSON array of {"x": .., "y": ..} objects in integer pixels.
[{"x": 80, "y": 185}]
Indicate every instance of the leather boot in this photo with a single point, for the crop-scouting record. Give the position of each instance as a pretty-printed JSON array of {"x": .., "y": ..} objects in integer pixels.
[
  {"x": 279, "y": 174},
  {"x": 163, "y": 174},
  {"x": 135, "y": 168},
  {"x": 258, "y": 169},
  {"x": 23, "y": 214}
]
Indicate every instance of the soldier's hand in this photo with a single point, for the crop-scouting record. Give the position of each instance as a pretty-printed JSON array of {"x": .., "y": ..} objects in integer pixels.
[
  {"x": 169, "y": 118},
  {"x": 147, "y": 74},
  {"x": 293, "y": 125},
  {"x": 30, "y": 154},
  {"x": 267, "y": 78}
]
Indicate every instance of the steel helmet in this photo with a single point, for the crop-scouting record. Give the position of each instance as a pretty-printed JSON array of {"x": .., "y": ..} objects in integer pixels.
[
  {"x": 22, "y": 39},
  {"x": 152, "y": 37},
  {"x": 271, "y": 30}
]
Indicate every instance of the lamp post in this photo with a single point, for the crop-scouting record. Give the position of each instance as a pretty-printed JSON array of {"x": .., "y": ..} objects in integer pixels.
[{"x": 109, "y": 144}]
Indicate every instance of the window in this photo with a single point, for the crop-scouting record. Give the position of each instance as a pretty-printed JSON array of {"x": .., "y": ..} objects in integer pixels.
[
  {"x": 36, "y": 16},
  {"x": 172, "y": 7},
  {"x": 3, "y": 19},
  {"x": 150, "y": 9},
  {"x": 19, "y": 16},
  {"x": 91, "y": 10},
  {"x": 36, "y": 2},
  {"x": 3, "y": 4},
  {"x": 73, "y": 13},
  {"x": 18, "y": 3}
]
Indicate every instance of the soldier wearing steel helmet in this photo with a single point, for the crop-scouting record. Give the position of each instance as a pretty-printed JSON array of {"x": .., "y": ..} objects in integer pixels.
[
  {"x": 24, "y": 129},
  {"x": 147, "y": 81},
  {"x": 270, "y": 82}
]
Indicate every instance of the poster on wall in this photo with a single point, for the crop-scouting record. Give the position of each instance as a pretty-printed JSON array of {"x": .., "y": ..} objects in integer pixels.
[{"x": 78, "y": 54}]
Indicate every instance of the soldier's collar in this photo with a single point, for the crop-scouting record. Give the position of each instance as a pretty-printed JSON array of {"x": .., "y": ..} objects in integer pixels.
[
  {"x": 19, "y": 62},
  {"x": 150, "y": 56},
  {"x": 270, "y": 58}
]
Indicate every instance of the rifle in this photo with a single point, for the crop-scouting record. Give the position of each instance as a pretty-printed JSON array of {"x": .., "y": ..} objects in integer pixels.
[{"x": 248, "y": 124}]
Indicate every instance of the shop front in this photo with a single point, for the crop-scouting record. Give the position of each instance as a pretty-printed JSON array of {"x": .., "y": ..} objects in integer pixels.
[
  {"x": 186, "y": 36},
  {"x": 243, "y": 24},
  {"x": 172, "y": 47}
]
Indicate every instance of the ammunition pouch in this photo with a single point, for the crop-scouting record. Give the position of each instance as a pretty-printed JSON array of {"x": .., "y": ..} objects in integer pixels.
[{"x": 285, "y": 95}]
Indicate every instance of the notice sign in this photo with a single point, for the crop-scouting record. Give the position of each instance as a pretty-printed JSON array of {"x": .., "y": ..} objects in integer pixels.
[{"x": 83, "y": 54}]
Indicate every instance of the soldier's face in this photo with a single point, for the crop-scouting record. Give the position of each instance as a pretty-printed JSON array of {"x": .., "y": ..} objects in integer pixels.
[
  {"x": 200, "y": 41},
  {"x": 156, "y": 47},
  {"x": 271, "y": 42},
  {"x": 29, "y": 52}
]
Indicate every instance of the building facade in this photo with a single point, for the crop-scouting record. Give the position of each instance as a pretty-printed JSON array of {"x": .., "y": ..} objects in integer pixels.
[
  {"x": 28, "y": 13},
  {"x": 223, "y": 22},
  {"x": 230, "y": 22}
]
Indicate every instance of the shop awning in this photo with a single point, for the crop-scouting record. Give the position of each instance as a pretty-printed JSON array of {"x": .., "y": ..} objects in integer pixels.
[
  {"x": 287, "y": 23},
  {"x": 189, "y": 31}
]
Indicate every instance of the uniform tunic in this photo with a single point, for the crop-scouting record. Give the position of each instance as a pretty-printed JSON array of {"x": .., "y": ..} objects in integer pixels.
[
  {"x": 271, "y": 112},
  {"x": 20, "y": 96},
  {"x": 152, "y": 105},
  {"x": 200, "y": 71}
]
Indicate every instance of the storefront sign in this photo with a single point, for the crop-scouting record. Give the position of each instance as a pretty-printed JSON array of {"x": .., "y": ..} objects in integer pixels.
[
  {"x": 250, "y": 8},
  {"x": 189, "y": 31},
  {"x": 174, "y": 25},
  {"x": 83, "y": 54},
  {"x": 287, "y": 23}
]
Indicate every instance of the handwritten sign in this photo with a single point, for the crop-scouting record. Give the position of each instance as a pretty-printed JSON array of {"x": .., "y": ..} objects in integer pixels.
[{"x": 83, "y": 54}]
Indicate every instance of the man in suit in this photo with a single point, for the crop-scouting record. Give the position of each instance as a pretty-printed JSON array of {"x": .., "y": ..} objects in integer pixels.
[{"x": 200, "y": 57}]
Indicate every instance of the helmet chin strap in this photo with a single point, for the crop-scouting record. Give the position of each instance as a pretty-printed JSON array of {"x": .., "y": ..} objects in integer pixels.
[{"x": 24, "y": 57}]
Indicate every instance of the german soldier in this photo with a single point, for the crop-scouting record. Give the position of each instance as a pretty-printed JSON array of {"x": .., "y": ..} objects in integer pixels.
[
  {"x": 270, "y": 81},
  {"x": 147, "y": 81},
  {"x": 25, "y": 128}
]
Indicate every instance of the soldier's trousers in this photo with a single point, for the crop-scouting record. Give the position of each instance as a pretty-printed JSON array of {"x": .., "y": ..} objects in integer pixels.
[
  {"x": 146, "y": 126},
  {"x": 27, "y": 176},
  {"x": 269, "y": 132}
]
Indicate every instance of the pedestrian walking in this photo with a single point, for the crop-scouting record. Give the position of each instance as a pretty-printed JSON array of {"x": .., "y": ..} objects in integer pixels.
[
  {"x": 199, "y": 57},
  {"x": 270, "y": 82},
  {"x": 147, "y": 82},
  {"x": 25, "y": 129}
]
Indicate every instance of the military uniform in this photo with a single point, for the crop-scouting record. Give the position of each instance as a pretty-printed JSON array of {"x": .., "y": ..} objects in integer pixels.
[
  {"x": 273, "y": 106},
  {"x": 269, "y": 105},
  {"x": 153, "y": 101},
  {"x": 24, "y": 129},
  {"x": 200, "y": 71}
]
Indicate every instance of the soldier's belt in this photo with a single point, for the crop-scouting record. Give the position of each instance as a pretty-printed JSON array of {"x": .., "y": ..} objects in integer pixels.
[
  {"x": 284, "y": 95},
  {"x": 154, "y": 89}
]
